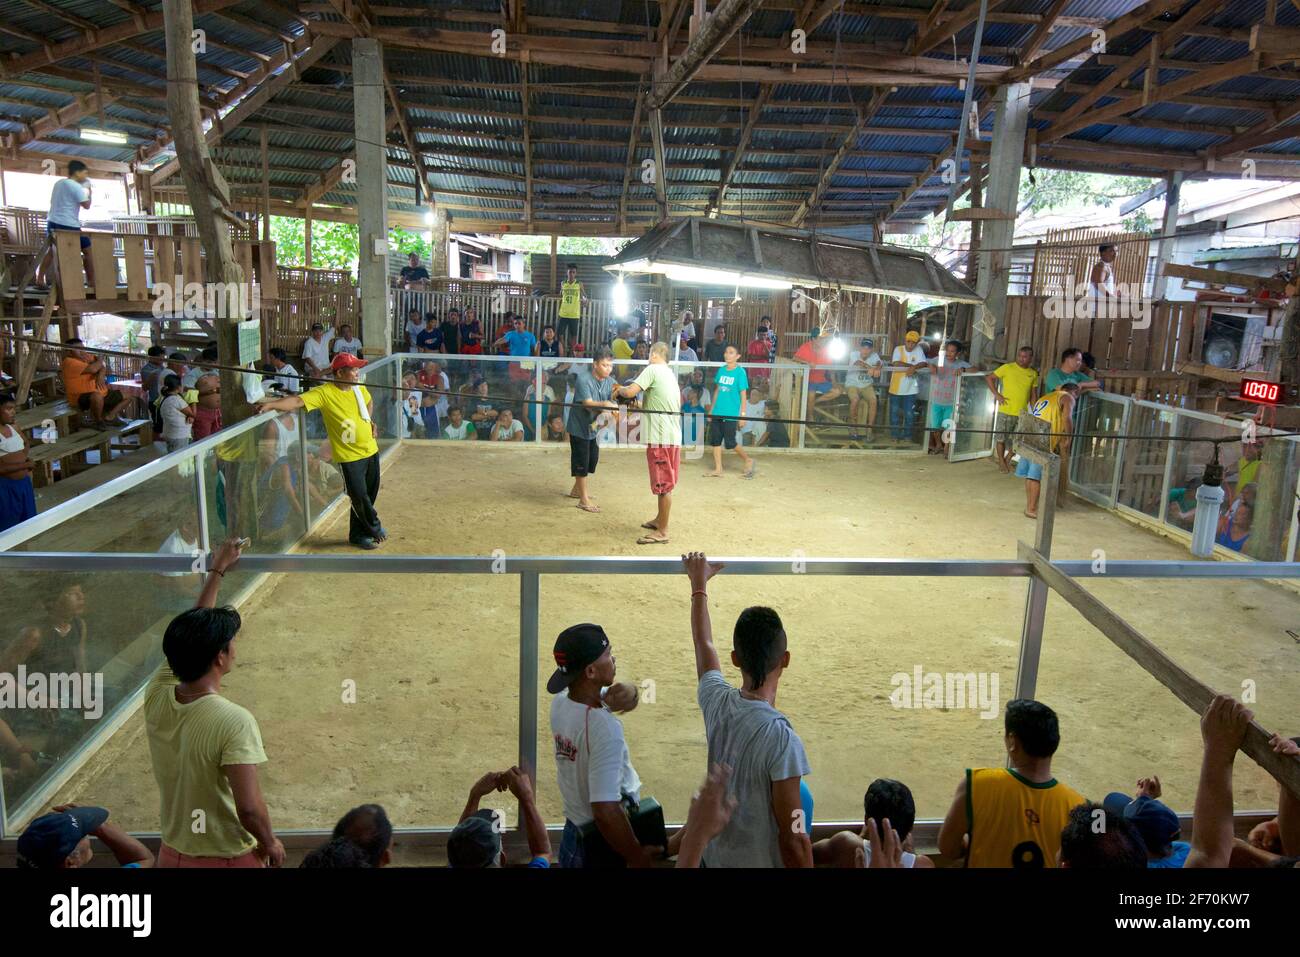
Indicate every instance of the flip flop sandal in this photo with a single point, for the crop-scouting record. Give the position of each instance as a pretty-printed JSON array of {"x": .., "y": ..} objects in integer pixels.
[
  {"x": 650, "y": 525},
  {"x": 588, "y": 508},
  {"x": 649, "y": 540}
]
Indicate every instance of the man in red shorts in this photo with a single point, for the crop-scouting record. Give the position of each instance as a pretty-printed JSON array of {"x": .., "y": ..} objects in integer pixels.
[{"x": 661, "y": 430}]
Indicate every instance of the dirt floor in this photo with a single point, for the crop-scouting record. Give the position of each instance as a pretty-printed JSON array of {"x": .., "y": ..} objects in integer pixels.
[{"x": 435, "y": 660}]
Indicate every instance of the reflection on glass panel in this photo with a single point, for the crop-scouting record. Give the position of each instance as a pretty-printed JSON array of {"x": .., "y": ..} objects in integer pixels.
[
  {"x": 975, "y": 413},
  {"x": 1142, "y": 472},
  {"x": 1095, "y": 457},
  {"x": 1190, "y": 459}
]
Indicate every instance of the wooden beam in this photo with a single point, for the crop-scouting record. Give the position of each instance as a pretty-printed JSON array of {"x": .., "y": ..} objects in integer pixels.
[
  {"x": 408, "y": 137},
  {"x": 1262, "y": 133},
  {"x": 742, "y": 143},
  {"x": 1041, "y": 33},
  {"x": 634, "y": 135},
  {"x": 661, "y": 162},
  {"x": 865, "y": 114},
  {"x": 1281, "y": 42},
  {"x": 1113, "y": 31},
  {"x": 524, "y": 97},
  {"x": 1221, "y": 277},
  {"x": 727, "y": 17}
]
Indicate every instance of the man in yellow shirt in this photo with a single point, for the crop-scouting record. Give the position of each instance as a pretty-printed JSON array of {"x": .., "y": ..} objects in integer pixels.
[
  {"x": 205, "y": 748},
  {"x": 570, "y": 307},
  {"x": 1013, "y": 385},
  {"x": 347, "y": 409},
  {"x": 1013, "y": 816},
  {"x": 1056, "y": 409}
]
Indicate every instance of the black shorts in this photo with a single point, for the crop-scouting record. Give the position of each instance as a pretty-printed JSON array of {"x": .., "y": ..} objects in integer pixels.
[
  {"x": 111, "y": 398},
  {"x": 568, "y": 329},
  {"x": 583, "y": 456},
  {"x": 722, "y": 431}
]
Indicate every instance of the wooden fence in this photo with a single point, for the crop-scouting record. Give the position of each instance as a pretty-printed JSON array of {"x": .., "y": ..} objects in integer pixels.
[
  {"x": 1064, "y": 259},
  {"x": 306, "y": 296}
]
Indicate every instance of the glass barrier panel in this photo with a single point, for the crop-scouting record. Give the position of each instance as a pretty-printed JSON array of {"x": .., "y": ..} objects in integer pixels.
[
  {"x": 1095, "y": 458},
  {"x": 1189, "y": 461},
  {"x": 1142, "y": 466},
  {"x": 975, "y": 415}
]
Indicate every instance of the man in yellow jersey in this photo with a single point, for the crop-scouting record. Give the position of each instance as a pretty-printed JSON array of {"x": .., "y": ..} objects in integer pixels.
[
  {"x": 1012, "y": 816},
  {"x": 1014, "y": 385},
  {"x": 570, "y": 307},
  {"x": 1055, "y": 409},
  {"x": 347, "y": 409}
]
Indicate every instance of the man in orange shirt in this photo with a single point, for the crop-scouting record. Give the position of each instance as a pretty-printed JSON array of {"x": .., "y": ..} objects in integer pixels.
[
  {"x": 814, "y": 352},
  {"x": 85, "y": 381}
]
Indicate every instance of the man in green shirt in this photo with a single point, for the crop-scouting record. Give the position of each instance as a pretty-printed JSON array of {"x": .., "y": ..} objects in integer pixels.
[
  {"x": 1070, "y": 370},
  {"x": 661, "y": 430}
]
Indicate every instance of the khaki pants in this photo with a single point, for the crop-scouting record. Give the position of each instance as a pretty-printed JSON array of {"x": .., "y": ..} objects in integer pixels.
[{"x": 865, "y": 398}]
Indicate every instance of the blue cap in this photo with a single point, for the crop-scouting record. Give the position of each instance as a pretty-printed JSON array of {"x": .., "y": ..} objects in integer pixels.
[
  {"x": 50, "y": 838},
  {"x": 1154, "y": 820}
]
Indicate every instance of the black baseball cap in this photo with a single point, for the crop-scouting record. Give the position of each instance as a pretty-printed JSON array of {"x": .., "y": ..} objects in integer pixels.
[
  {"x": 575, "y": 648},
  {"x": 50, "y": 838}
]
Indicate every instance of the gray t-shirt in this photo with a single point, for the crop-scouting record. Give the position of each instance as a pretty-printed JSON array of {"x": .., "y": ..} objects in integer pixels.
[
  {"x": 581, "y": 419},
  {"x": 759, "y": 744}
]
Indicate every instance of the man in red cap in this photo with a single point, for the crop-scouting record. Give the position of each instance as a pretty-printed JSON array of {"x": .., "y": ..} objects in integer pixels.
[{"x": 347, "y": 409}]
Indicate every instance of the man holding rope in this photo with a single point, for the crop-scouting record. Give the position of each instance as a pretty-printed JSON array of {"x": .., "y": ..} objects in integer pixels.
[
  {"x": 662, "y": 432},
  {"x": 347, "y": 409}
]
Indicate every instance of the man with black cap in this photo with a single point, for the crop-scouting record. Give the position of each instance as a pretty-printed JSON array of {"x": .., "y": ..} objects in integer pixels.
[
  {"x": 475, "y": 843},
  {"x": 61, "y": 839},
  {"x": 1155, "y": 821},
  {"x": 593, "y": 765},
  {"x": 348, "y": 411}
]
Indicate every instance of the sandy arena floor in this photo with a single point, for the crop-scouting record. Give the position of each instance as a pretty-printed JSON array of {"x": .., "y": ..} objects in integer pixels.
[{"x": 435, "y": 660}]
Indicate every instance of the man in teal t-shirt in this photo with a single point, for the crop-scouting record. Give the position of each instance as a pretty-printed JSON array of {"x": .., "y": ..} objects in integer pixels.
[
  {"x": 1070, "y": 370},
  {"x": 730, "y": 396}
]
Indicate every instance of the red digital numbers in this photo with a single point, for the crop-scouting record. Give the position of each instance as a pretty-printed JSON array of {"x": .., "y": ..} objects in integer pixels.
[{"x": 1257, "y": 390}]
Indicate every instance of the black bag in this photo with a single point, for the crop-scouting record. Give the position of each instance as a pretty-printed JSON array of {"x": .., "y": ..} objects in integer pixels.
[{"x": 647, "y": 820}]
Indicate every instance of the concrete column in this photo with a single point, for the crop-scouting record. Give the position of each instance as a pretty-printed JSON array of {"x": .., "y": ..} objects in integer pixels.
[
  {"x": 1168, "y": 228},
  {"x": 439, "y": 264},
  {"x": 1002, "y": 192},
  {"x": 372, "y": 208}
]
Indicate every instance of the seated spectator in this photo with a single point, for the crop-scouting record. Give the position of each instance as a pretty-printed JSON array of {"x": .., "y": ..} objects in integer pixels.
[
  {"x": 205, "y": 748},
  {"x": 207, "y": 407},
  {"x": 1237, "y": 529},
  {"x": 286, "y": 376},
  {"x": 436, "y": 384},
  {"x": 429, "y": 338},
  {"x": 694, "y": 423},
  {"x": 61, "y": 839},
  {"x": 747, "y": 733},
  {"x": 697, "y": 380},
  {"x": 345, "y": 342},
  {"x": 752, "y": 429},
  {"x": 338, "y": 853},
  {"x": 535, "y": 410},
  {"x": 475, "y": 842},
  {"x": 483, "y": 411},
  {"x": 368, "y": 827},
  {"x": 316, "y": 351},
  {"x": 412, "y": 422},
  {"x": 457, "y": 428},
  {"x": 684, "y": 352},
  {"x": 85, "y": 383},
  {"x": 555, "y": 431},
  {"x": 775, "y": 435},
  {"x": 1155, "y": 822},
  {"x": 507, "y": 428},
  {"x": 1020, "y": 809},
  {"x": 176, "y": 414},
  {"x": 1282, "y": 834},
  {"x": 1095, "y": 837},
  {"x": 885, "y": 801}
]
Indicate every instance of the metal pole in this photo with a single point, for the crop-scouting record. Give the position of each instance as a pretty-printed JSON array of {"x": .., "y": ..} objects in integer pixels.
[
  {"x": 537, "y": 401},
  {"x": 1123, "y": 451},
  {"x": 1163, "y": 508},
  {"x": 803, "y": 406},
  {"x": 304, "y": 483},
  {"x": 1031, "y": 633},
  {"x": 529, "y": 588},
  {"x": 201, "y": 489},
  {"x": 966, "y": 105}
]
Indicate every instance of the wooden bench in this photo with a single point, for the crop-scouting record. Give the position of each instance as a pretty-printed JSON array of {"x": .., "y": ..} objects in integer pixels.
[
  {"x": 58, "y": 412},
  {"x": 70, "y": 451},
  {"x": 144, "y": 428}
]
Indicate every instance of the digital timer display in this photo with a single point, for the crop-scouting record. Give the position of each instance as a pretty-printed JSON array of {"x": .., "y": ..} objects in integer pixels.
[{"x": 1257, "y": 390}]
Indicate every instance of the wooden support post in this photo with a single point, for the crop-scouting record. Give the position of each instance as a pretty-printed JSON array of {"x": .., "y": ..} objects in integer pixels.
[
  {"x": 306, "y": 239},
  {"x": 266, "y": 187},
  {"x": 1165, "y": 250},
  {"x": 555, "y": 284}
]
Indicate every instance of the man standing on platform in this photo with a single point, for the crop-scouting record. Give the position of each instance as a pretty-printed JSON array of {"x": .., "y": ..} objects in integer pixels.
[
  {"x": 570, "y": 307},
  {"x": 661, "y": 430},
  {"x": 348, "y": 411}
]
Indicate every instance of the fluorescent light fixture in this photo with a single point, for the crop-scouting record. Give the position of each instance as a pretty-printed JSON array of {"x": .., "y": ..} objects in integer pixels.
[
  {"x": 428, "y": 217},
  {"x": 103, "y": 136},
  {"x": 620, "y": 298},
  {"x": 703, "y": 276},
  {"x": 837, "y": 350}
]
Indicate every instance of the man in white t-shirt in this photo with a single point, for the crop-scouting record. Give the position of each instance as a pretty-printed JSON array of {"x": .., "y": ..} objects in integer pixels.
[
  {"x": 68, "y": 198},
  {"x": 316, "y": 351},
  {"x": 345, "y": 342},
  {"x": 286, "y": 376},
  {"x": 593, "y": 767},
  {"x": 860, "y": 383},
  {"x": 507, "y": 427}
]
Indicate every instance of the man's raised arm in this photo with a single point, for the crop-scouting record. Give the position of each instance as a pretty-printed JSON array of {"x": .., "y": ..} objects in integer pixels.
[{"x": 699, "y": 571}]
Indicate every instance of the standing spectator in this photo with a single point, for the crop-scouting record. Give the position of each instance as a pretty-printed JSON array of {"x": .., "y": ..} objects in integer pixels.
[
  {"x": 1102, "y": 278},
  {"x": 519, "y": 342},
  {"x": 888, "y": 805},
  {"x": 151, "y": 374},
  {"x": 758, "y": 352},
  {"x": 550, "y": 347},
  {"x": 414, "y": 326},
  {"x": 475, "y": 843},
  {"x": 61, "y": 839},
  {"x": 593, "y": 393},
  {"x": 1155, "y": 821},
  {"x": 17, "y": 497},
  {"x": 316, "y": 351},
  {"x": 457, "y": 428},
  {"x": 471, "y": 334},
  {"x": 1071, "y": 370},
  {"x": 1056, "y": 409},
  {"x": 730, "y": 398},
  {"x": 507, "y": 428},
  {"x": 450, "y": 329},
  {"x": 69, "y": 197},
  {"x": 85, "y": 383},
  {"x": 662, "y": 434},
  {"x": 177, "y": 416},
  {"x": 747, "y": 733},
  {"x": 593, "y": 765},
  {"x": 286, "y": 376},
  {"x": 685, "y": 353},
  {"x": 765, "y": 324},
  {"x": 348, "y": 412},
  {"x": 207, "y": 359},
  {"x": 903, "y": 386},
  {"x": 368, "y": 828},
  {"x": 429, "y": 338},
  {"x": 715, "y": 350},
  {"x": 345, "y": 343},
  {"x": 571, "y": 299},
  {"x": 1012, "y": 816},
  {"x": 945, "y": 380},
  {"x": 204, "y": 748},
  {"x": 860, "y": 383},
  {"x": 689, "y": 340},
  {"x": 1095, "y": 837},
  {"x": 1014, "y": 385},
  {"x": 207, "y": 407},
  {"x": 413, "y": 275}
]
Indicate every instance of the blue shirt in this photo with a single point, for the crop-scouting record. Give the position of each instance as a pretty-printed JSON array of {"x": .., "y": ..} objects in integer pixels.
[
  {"x": 520, "y": 343},
  {"x": 690, "y": 430},
  {"x": 429, "y": 339},
  {"x": 728, "y": 385},
  {"x": 581, "y": 418},
  {"x": 1176, "y": 859}
]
